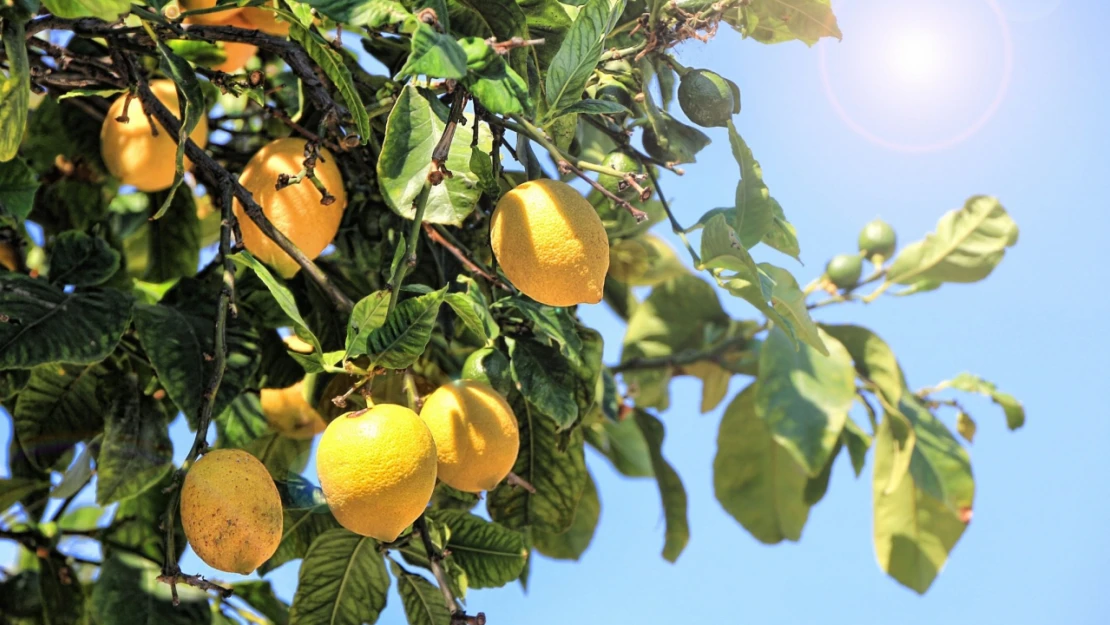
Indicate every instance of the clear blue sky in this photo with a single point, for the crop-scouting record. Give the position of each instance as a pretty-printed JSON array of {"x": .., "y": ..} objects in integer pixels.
[{"x": 909, "y": 73}]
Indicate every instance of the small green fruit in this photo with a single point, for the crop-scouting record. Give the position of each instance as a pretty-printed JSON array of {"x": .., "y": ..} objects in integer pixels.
[
  {"x": 877, "y": 238},
  {"x": 620, "y": 162},
  {"x": 707, "y": 98},
  {"x": 844, "y": 270},
  {"x": 490, "y": 366}
]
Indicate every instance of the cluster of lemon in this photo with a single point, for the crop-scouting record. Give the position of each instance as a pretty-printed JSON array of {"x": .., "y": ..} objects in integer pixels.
[{"x": 377, "y": 469}]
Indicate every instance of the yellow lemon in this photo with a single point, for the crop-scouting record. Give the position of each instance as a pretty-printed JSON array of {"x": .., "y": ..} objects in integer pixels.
[
  {"x": 231, "y": 511},
  {"x": 133, "y": 153},
  {"x": 295, "y": 210},
  {"x": 377, "y": 470},
  {"x": 217, "y": 17},
  {"x": 289, "y": 413},
  {"x": 551, "y": 243},
  {"x": 476, "y": 434},
  {"x": 266, "y": 21}
]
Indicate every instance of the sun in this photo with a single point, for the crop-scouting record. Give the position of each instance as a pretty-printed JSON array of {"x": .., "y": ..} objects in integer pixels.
[{"x": 916, "y": 57}]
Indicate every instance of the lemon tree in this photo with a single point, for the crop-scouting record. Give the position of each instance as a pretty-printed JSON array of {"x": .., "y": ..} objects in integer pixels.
[{"x": 378, "y": 247}]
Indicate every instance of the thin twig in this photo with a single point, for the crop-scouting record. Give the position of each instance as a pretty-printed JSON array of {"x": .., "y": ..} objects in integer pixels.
[
  {"x": 439, "y": 236},
  {"x": 682, "y": 358},
  {"x": 435, "y": 559},
  {"x": 442, "y": 149}
]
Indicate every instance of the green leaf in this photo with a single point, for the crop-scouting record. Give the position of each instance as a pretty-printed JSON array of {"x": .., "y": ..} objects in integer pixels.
[
  {"x": 422, "y": 600},
  {"x": 491, "y": 555},
  {"x": 63, "y": 597},
  {"x": 128, "y": 593},
  {"x": 721, "y": 248},
  {"x": 434, "y": 54},
  {"x": 967, "y": 246},
  {"x": 756, "y": 480},
  {"x": 547, "y": 20},
  {"x": 818, "y": 485},
  {"x": 623, "y": 443},
  {"x": 776, "y": 21},
  {"x": 136, "y": 452},
  {"x": 571, "y": 544},
  {"x": 58, "y": 408},
  {"x": 580, "y": 53},
  {"x": 939, "y": 465},
  {"x": 18, "y": 184},
  {"x": 557, "y": 324},
  {"x": 545, "y": 379},
  {"x": 501, "y": 20},
  {"x": 594, "y": 107},
  {"x": 415, "y": 125},
  {"x": 913, "y": 532},
  {"x": 553, "y": 463},
  {"x": 965, "y": 426},
  {"x": 805, "y": 397},
  {"x": 374, "y": 14},
  {"x": 282, "y": 456},
  {"x": 789, "y": 302},
  {"x": 282, "y": 296},
  {"x": 183, "y": 75},
  {"x": 260, "y": 596},
  {"x": 13, "y": 489},
  {"x": 671, "y": 490},
  {"x": 174, "y": 240},
  {"x": 473, "y": 311},
  {"x": 970, "y": 383},
  {"x": 81, "y": 260},
  {"x": 301, "y": 526},
  {"x": 679, "y": 142},
  {"x": 94, "y": 93},
  {"x": 873, "y": 358},
  {"x": 343, "y": 581},
  {"x": 138, "y": 524},
  {"x": 331, "y": 62},
  {"x": 858, "y": 442},
  {"x": 15, "y": 88},
  {"x": 43, "y": 324},
  {"x": 367, "y": 316},
  {"x": 107, "y": 10},
  {"x": 499, "y": 88},
  {"x": 754, "y": 214},
  {"x": 405, "y": 334},
  {"x": 782, "y": 236}
]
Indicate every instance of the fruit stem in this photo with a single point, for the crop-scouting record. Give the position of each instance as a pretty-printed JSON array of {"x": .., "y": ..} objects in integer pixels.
[{"x": 675, "y": 226}]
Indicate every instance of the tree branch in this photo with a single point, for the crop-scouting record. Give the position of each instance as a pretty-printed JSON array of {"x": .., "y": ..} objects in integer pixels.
[
  {"x": 682, "y": 358},
  {"x": 435, "y": 558},
  {"x": 441, "y": 237}
]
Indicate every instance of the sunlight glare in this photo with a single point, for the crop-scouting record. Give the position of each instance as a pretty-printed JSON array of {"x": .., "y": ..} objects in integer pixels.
[{"x": 915, "y": 57}]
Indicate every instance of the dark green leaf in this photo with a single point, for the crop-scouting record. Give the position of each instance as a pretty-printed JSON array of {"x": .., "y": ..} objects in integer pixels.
[
  {"x": 500, "y": 89},
  {"x": 805, "y": 397},
  {"x": 547, "y": 20},
  {"x": 281, "y": 455},
  {"x": 545, "y": 379},
  {"x": 374, "y": 14},
  {"x": 330, "y": 61},
  {"x": 63, "y": 596},
  {"x": 553, "y": 463},
  {"x": 817, "y": 486},
  {"x": 406, "y": 332},
  {"x": 756, "y": 480},
  {"x": 557, "y": 324},
  {"x": 970, "y": 383},
  {"x": 940, "y": 466},
  {"x": 595, "y": 107},
  {"x": 491, "y": 555},
  {"x": 183, "y": 75},
  {"x": 300, "y": 528},
  {"x": 138, "y": 524},
  {"x": 15, "y": 88},
  {"x": 367, "y": 316},
  {"x": 671, "y": 490},
  {"x": 343, "y": 581},
  {"x": 58, "y": 408},
  {"x": 579, "y": 53},
  {"x": 128, "y": 593},
  {"x": 571, "y": 544},
  {"x": 501, "y": 20},
  {"x": 415, "y": 125},
  {"x": 42, "y": 324},
  {"x": 624, "y": 445},
  {"x": 260, "y": 596},
  {"x": 967, "y": 246},
  {"x": 677, "y": 142},
  {"x": 858, "y": 442},
  {"x": 136, "y": 452},
  {"x": 422, "y": 600},
  {"x": 173, "y": 240},
  {"x": 18, "y": 184},
  {"x": 13, "y": 489},
  {"x": 81, "y": 260},
  {"x": 434, "y": 54}
]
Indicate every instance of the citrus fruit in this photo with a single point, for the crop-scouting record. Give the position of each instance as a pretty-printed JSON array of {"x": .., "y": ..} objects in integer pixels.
[
  {"x": 551, "y": 243},
  {"x": 295, "y": 210},
  {"x": 238, "y": 54},
  {"x": 231, "y": 511},
  {"x": 488, "y": 365},
  {"x": 132, "y": 152},
  {"x": 266, "y": 21},
  {"x": 844, "y": 270},
  {"x": 377, "y": 469},
  {"x": 877, "y": 239},
  {"x": 623, "y": 163},
  {"x": 288, "y": 412},
  {"x": 216, "y": 17},
  {"x": 476, "y": 434},
  {"x": 707, "y": 98}
]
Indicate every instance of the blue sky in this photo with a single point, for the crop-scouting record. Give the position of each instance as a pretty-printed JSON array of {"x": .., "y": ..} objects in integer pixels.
[{"x": 910, "y": 73}]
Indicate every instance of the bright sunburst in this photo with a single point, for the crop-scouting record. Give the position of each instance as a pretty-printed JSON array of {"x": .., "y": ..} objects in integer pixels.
[{"x": 915, "y": 57}]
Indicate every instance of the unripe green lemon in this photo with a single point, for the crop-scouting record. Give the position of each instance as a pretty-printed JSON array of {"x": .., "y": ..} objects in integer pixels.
[
  {"x": 624, "y": 163},
  {"x": 614, "y": 91},
  {"x": 488, "y": 365},
  {"x": 844, "y": 270},
  {"x": 707, "y": 98},
  {"x": 877, "y": 238}
]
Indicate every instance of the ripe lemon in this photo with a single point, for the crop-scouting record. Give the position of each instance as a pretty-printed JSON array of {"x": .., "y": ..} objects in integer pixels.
[
  {"x": 288, "y": 412},
  {"x": 476, "y": 434},
  {"x": 217, "y": 17},
  {"x": 296, "y": 209},
  {"x": 131, "y": 150},
  {"x": 377, "y": 470},
  {"x": 231, "y": 511},
  {"x": 551, "y": 243},
  {"x": 266, "y": 21}
]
